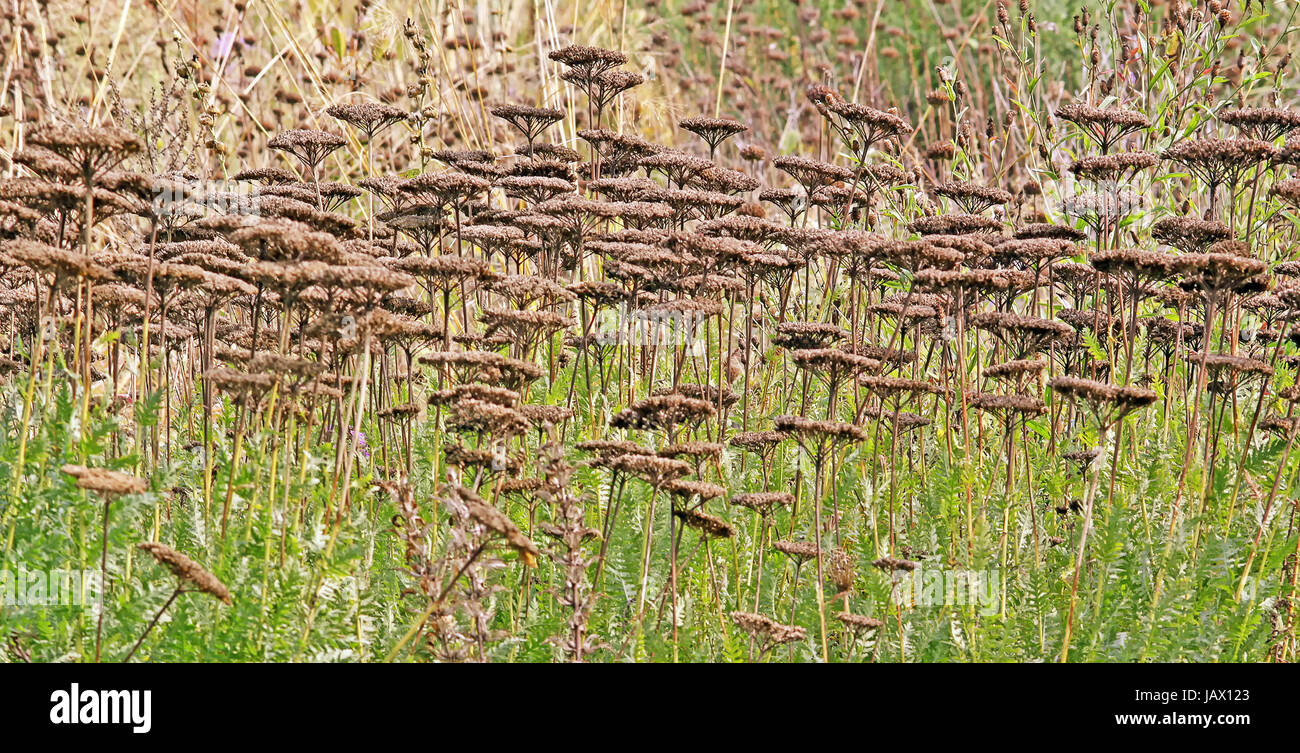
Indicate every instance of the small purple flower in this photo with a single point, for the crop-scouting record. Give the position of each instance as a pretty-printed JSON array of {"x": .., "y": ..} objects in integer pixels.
[
  {"x": 359, "y": 439},
  {"x": 224, "y": 44}
]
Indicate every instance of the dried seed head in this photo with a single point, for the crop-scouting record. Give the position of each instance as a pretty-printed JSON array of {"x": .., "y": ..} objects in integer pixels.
[
  {"x": 763, "y": 503},
  {"x": 890, "y": 564},
  {"x": 368, "y": 117},
  {"x": 662, "y": 412},
  {"x": 187, "y": 570},
  {"x": 498, "y": 523},
  {"x": 808, "y": 428},
  {"x": 973, "y": 198},
  {"x": 710, "y": 526},
  {"x": 1262, "y": 123},
  {"x": 309, "y": 146},
  {"x": 714, "y": 131},
  {"x": 106, "y": 482},
  {"x": 767, "y": 629}
]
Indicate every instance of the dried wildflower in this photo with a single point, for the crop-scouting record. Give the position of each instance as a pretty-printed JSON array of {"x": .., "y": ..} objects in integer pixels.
[
  {"x": 603, "y": 88},
  {"x": 1049, "y": 231},
  {"x": 714, "y": 131},
  {"x": 89, "y": 151},
  {"x": 106, "y": 482},
  {"x": 1031, "y": 253},
  {"x": 66, "y": 199},
  {"x": 1015, "y": 369},
  {"x": 267, "y": 175},
  {"x": 310, "y": 147},
  {"x": 499, "y": 524},
  {"x": 807, "y": 335},
  {"x": 1190, "y": 235},
  {"x": 760, "y": 442},
  {"x": 551, "y": 152},
  {"x": 834, "y": 365},
  {"x": 1136, "y": 266},
  {"x": 47, "y": 164},
  {"x": 620, "y": 153},
  {"x": 533, "y": 189},
  {"x": 447, "y": 269},
  {"x": 770, "y": 632},
  {"x": 858, "y": 623},
  {"x": 60, "y": 264},
  {"x": 680, "y": 168},
  {"x": 244, "y": 389},
  {"x": 890, "y": 564},
  {"x": 724, "y": 180},
  {"x": 482, "y": 392},
  {"x": 860, "y": 127},
  {"x": 895, "y": 387},
  {"x": 662, "y": 412},
  {"x": 522, "y": 327},
  {"x": 591, "y": 60},
  {"x": 763, "y": 503},
  {"x": 1008, "y": 405},
  {"x": 796, "y": 426},
  {"x": 1288, "y": 190},
  {"x": 799, "y": 551},
  {"x": 612, "y": 447},
  {"x": 443, "y": 189},
  {"x": 530, "y": 121},
  {"x": 1107, "y": 126},
  {"x": 187, "y": 570},
  {"x": 811, "y": 174},
  {"x": 541, "y": 415},
  {"x": 1006, "y": 283},
  {"x": 581, "y": 214},
  {"x": 684, "y": 490},
  {"x": 1023, "y": 335},
  {"x": 486, "y": 366},
  {"x": 1113, "y": 167},
  {"x": 461, "y": 157},
  {"x": 1219, "y": 162},
  {"x": 1262, "y": 123},
  {"x": 598, "y": 293},
  {"x": 973, "y": 198},
  {"x": 368, "y": 117},
  {"x": 954, "y": 224},
  {"x": 1107, "y": 402},
  {"x": 710, "y": 526},
  {"x": 688, "y": 307},
  {"x": 1281, "y": 425},
  {"x": 696, "y": 450},
  {"x": 692, "y": 204},
  {"x": 652, "y": 469},
  {"x": 1214, "y": 273},
  {"x": 332, "y": 195},
  {"x": 1082, "y": 458},
  {"x": 840, "y": 571},
  {"x": 1240, "y": 366},
  {"x": 485, "y": 417},
  {"x": 489, "y": 461}
]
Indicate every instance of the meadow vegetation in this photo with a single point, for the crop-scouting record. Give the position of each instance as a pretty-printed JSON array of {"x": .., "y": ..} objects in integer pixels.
[{"x": 651, "y": 330}]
